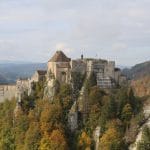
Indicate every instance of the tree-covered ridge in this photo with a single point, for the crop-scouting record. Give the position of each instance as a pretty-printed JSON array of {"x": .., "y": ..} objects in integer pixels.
[
  {"x": 144, "y": 144},
  {"x": 141, "y": 86},
  {"x": 138, "y": 71},
  {"x": 42, "y": 124}
]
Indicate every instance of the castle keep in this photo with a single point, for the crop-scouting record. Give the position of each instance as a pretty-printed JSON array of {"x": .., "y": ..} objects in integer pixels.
[{"x": 59, "y": 67}]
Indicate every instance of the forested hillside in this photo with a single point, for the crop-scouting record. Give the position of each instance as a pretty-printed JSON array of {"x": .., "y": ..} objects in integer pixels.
[
  {"x": 43, "y": 124},
  {"x": 141, "y": 86},
  {"x": 138, "y": 71}
]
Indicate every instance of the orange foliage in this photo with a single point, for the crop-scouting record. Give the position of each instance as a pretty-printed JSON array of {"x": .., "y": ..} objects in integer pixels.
[
  {"x": 84, "y": 141},
  {"x": 55, "y": 141},
  {"x": 110, "y": 137},
  {"x": 141, "y": 86}
]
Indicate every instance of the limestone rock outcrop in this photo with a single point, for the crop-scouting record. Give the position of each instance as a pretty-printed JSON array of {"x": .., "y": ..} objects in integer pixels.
[{"x": 51, "y": 88}]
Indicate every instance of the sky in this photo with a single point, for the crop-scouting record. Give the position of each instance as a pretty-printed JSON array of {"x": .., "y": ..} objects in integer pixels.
[{"x": 32, "y": 30}]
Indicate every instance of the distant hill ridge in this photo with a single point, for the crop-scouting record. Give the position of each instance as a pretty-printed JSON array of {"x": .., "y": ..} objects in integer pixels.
[
  {"x": 9, "y": 72},
  {"x": 138, "y": 71}
]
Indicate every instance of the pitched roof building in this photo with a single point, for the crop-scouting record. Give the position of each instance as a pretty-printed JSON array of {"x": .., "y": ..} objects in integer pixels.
[
  {"x": 59, "y": 56},
  {"x": 39, "y": 75},
  {"x": 41, "y": 72},
  {"x": 59, "y": 66}
]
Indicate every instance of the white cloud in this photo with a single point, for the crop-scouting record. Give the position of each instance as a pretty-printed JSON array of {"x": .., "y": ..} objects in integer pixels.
[
  {"x": 63, "y": 47},
  {"x": 119, "y": 46},
  {"x": 37, "y": 27}
]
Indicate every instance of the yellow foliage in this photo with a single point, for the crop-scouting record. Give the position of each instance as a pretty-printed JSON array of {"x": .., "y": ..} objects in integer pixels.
[
  {"x": 115, "y": 123},
  {"x": 44, "y": 143},
  {"x": 84, "y": 141},
  {"x": 141, "y": 86},
  {"x": 55, "y": 141},
  {"x": 50, "y": 117},
  {"x": 109, "y": 137}
]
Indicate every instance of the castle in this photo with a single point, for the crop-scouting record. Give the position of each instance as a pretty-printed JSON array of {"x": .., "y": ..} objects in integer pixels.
[
  {"x": 60, "y": 68},
  {"x": 107, "y": 75}
]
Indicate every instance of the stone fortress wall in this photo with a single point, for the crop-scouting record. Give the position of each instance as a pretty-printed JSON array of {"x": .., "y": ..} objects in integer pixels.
[
  {"x": 7, "y": 92},
  {"x": 21, "y": 86},
  {"x": 78, "y": 66},
  {"x": 107, "y": 75}
]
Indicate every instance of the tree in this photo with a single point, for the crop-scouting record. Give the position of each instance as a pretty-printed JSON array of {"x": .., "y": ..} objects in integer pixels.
[
  {"x": 127, "y": 113},
  {"x": 92, "y": 79},
  {"x": 111, "y": 140},
  {"x": 112, "y": 109},
  {"x": 84, "y": 142},
  {"x": 65, "y": 90},
  {"x": 7, "y": 138},
  {"x": 44, "y": 143},
  {"x": 38, "y": 90},
  {"x": 32, "y": 137},
  {"x": 90, "y": 82},
  {"x": 95, "y": 96},
  {"x": 109, "y": 111},
  {"x": 21, "y": 125},
  {"x": 93, "y": 118},
  {"x": 56, "y": 141},
  {"x": 144, "y": 144},
  {"x": 27, "y": 102},
  {"x": 51, "y": 117},
  {"x": 134, "y": 102},
  {"x": 77, "y": 82}
]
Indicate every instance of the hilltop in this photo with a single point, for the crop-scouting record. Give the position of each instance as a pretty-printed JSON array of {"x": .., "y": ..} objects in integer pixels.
[
  {"x": 138, "y": 71},
  {"x": 140, "y": 76},
  {"x": 96, "y": 107}
]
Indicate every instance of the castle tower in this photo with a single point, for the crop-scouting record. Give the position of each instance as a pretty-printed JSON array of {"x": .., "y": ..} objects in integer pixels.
[{"x": 59, "y": 67}]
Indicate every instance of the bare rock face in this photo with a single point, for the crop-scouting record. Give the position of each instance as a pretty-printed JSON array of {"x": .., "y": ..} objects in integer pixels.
[
  {"x": 73, "y": 118},
  {"x": 146, "y": 109},
  {"x": 131, "y": 132},
  {"x": 17, "y": 110},
  {"x": 96, "y": 136},
  {"x": 51, "y": 89}
]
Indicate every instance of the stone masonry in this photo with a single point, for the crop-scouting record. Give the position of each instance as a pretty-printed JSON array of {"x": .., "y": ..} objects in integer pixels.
[{"x": 107, "y": 74}]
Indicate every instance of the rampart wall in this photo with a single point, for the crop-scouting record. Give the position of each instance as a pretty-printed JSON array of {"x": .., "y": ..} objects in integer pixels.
[{"x": 7, "y": 92}]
